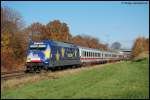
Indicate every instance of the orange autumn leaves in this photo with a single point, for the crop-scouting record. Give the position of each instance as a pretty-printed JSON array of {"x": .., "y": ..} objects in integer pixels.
[{"x": 141, "y": 45}]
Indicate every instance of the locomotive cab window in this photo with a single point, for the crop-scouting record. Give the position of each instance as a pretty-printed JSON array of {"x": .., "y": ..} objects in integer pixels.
[{"x": 37, "y": 47}]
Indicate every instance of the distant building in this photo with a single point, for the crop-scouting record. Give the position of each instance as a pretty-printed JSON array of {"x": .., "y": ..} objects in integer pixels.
[{"x": 126, "y": 52}]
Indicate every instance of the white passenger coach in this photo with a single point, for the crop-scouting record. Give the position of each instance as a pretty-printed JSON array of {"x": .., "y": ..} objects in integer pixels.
[{"x": 95, "y": 55}]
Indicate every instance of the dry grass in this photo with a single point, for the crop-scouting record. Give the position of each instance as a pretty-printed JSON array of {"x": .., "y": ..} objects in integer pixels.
[{"x": 141, "y": 56}]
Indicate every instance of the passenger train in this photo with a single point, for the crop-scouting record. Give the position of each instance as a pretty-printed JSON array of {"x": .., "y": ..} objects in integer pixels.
[{"x": 50, "y": 54}]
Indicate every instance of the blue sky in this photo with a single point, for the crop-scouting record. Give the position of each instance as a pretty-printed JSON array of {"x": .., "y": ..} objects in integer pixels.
[{"x": 108, "y": 21}]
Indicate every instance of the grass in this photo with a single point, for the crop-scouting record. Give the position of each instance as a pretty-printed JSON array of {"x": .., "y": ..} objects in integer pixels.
[{"x": 126, "y": 80}]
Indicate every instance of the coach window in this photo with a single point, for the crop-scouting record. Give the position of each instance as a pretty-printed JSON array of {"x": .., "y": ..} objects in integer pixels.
[
  {"x": 86, "y": 54},
  {"x": 90, "y": 54},
  {"x": 82, "y": 53}
]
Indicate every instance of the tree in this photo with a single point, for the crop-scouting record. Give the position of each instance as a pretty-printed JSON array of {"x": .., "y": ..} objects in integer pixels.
[
  {"x": 11, "y": 26},
  {"x": 58, "y": 31},
  {"x": 88, "y": 41},
  {"x": 37, "y": 31},
  {"x": 116, "y": 46},
  {"x": 141, "y": 45}
]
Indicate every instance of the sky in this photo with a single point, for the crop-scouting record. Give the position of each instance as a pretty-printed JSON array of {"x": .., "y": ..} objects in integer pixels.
[{"x": 109, "y": 21}]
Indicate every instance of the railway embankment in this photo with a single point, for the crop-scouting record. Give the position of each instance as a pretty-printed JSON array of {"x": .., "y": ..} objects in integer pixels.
[{"x": 124, "y": 80}]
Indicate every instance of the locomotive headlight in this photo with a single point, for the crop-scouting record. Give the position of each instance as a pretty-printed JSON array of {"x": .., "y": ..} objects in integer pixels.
[{"x": 28, "y": 59}]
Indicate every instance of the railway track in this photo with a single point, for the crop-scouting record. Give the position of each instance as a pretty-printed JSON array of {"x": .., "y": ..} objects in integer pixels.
[
  {"x": 13, "y": 74},
  {"x": 21, "y": 73}
]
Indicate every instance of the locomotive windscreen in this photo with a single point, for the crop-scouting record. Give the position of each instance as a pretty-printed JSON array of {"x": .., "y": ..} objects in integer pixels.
[{"x": 37, "y": 47}]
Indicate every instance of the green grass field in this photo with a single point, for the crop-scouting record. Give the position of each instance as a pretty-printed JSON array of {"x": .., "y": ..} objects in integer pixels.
[{"x": 125, "y": 80}]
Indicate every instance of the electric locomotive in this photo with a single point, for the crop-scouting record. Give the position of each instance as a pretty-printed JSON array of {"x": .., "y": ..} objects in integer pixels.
[{"x": 50, "y": 54}]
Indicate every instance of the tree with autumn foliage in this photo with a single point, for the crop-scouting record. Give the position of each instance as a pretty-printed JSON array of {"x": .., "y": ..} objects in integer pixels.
[
  {"x": 11, "y": 37},
  {"x": 141, "y": 45},
  {"x": 37, "y": 31},
  {"x": 54, "y": 30},
  {"x": 58, "y": 31},
  {"x": 88, "y": 41}
]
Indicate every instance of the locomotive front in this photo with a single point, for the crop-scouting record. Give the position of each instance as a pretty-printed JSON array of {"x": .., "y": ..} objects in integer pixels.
[{"x": 38, "y": 56}]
